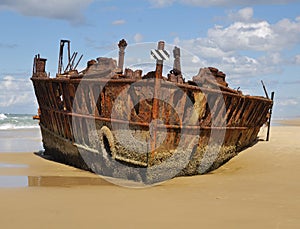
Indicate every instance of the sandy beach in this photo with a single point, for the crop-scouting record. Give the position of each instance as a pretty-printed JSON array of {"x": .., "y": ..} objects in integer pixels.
[{"x": 257, "y": 189}]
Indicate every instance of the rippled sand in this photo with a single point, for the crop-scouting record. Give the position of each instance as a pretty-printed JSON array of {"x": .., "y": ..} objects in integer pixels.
[{"x": 257, "y": 189}]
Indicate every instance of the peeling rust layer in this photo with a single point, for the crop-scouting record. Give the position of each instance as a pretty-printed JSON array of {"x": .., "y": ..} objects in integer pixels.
[{"x": 195, "y": 108}]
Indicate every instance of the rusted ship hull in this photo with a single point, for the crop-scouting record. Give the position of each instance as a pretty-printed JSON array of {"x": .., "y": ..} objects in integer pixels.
[{"x": 93, "y": 121}]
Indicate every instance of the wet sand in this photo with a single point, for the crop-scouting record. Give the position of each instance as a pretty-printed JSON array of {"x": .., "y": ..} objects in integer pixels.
[{"x": 257, "y": 189}]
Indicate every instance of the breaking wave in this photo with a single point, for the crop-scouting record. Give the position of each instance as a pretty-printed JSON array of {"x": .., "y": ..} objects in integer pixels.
[
  {"x": 17, "y": 121},
  {"x": 2, "y": 116}
]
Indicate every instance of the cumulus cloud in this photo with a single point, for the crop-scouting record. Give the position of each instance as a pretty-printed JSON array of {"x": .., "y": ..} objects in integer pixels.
[
  {"x": 244, "y": 14},
  {"x": 247, "y": 47},
  {"x": 253, "y": 35},
  {"x": 205, "y": 3},
  {"x": 257, "y": 36},
  {"x": 70, "y": 10},
  {"x": 15, "y": 91}
]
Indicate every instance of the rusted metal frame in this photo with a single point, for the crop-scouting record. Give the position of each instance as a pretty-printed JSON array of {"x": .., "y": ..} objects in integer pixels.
[
  {"x": 256, "y": 116},
  {"x": 251, "y": 135},
  {"x": 238, "y": 119},
  {"x": 252, "y": 108},
  {"x": 84, "y": 100},
  {"x": 187, "y": 107},
  {"x": 133, "y": 101},
  {"x": 233, "y": 136},
  {"x": 66, "y": 95},
  {"x": 62, "y": 97},
  {"x": 169, "y": 110},
  {"x": 102, "y": 102},
  {"x": 57, "y": 99},
  {"x": 50, "y": 103},
  {"x": 78, "y": 103},
  {"x": 66, "y": 126},
  {"x": 44, "y": 118},
  {"x": 61, "y": 125},
  {"x": 179, "y": 106},
  {"x": 219, "y": 111},
  {"x": 138, "y": 82},
  {"x": 75, "y": 128},
  {"x": 52, "y": 95},
  {"x": 142, "y": 124},
  {"x": 213, "y": 110},
  {"x": 50, "y": 121},
  {"x": 245, "y": 112},
  {"x": 94, "y": 96},
  {"x": 210, "y": 98},
  {"x": 72, "y": 92},
  {"x": 256, "y": 111},
  {"x": 58, "y": 123},
  {"x": 45, "y": 94},
  {"x": 155, "y": 107},
  {"x": 236, "y": 109},
  {"x": 56, "y": 95},
  {"x": 97, "y": 89},
  {"x": 53, "y": 120},
  {"x": 231, "y": 104},
  {"x": 266, "y": 111},
  {"x": 88, "y": 98},
  {"x": 108, "y": 101},
  {"x": 70, "y": 124}
]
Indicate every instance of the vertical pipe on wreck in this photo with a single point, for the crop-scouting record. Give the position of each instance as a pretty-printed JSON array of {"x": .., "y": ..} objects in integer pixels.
[
  {"x": 270, "y": 115},
  {"x": 155, "y": 107},
  {"x": 122, "y": 46}
]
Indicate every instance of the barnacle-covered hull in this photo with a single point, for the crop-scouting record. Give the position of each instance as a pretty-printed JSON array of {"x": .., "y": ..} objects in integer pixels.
[{"x": 146, "y": 128}]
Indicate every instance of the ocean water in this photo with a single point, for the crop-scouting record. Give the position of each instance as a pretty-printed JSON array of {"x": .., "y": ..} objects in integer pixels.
[
  {"x": 17, "y": 121},
  {"x": 19, "y": 133}
]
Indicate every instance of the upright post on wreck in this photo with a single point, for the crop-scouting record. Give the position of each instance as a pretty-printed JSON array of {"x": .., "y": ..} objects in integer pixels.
[
  {"x": 270, "y": 115},
  {"x": 61, "y": 54},
  {"x": 176, "y": 54},
  {"x": 160, "y": 55},
  {"x": 122, "y": 46}
]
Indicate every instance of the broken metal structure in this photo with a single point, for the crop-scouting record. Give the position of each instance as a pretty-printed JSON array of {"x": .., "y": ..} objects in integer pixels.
[{"x": 97, "y": 111}]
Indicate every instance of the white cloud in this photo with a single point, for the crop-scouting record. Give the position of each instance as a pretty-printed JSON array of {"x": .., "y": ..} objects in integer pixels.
[
  {"x": 247, "y": 47},
  {"x": 138, "y": 37},
  {"x": 240, "y": 35},
  {"x": 244, "y": 14},
  {"x": 15, "y": 92},
  {"x": 119, "y": 22},
  {"x": 70, "y": 10},
  {"x": 205, "y": 3},
  {"x": 251, "y": 34}
]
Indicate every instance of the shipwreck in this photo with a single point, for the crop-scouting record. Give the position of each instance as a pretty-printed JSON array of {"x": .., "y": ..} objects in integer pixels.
[{"x": 145, "y": 127}]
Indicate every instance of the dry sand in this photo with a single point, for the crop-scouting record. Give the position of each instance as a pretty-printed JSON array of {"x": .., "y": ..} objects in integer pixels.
[{"x": 259, "y": 188}]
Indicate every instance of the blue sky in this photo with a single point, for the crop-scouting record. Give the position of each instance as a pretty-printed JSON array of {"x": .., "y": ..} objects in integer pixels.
[{"x": 248, "y": 40}]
